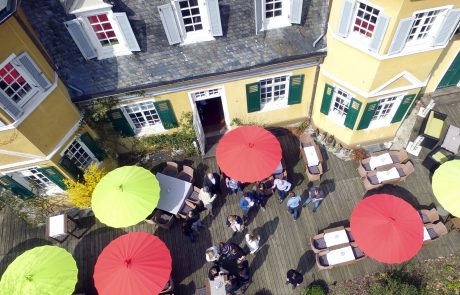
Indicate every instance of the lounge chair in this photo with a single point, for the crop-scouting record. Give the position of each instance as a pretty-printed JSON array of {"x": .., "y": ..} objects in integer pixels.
[
  {"x": 399, "y": 156},
  {"x": 436, "y": 157},
  {"x": 318, "y": 243},
  {"x": 171, "y": 169},
  {"x": 323, "y": 263},
  {"x": 186, "y": 174},
  {"x": 431, "y": 129},
  {"x": 429, "y": 216},
  {"x": 451, "y": 141},
  {"x": 435, "y": 231}
]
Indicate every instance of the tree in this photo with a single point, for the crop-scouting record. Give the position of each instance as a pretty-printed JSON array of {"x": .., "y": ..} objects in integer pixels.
[{"x": 80, "y": 192}]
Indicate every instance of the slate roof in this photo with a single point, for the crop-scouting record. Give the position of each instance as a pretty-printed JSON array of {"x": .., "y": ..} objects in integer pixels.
[{"x": 159, "y": 63}]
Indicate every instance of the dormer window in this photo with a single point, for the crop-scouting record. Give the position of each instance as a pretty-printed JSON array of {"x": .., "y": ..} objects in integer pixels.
[
  {"x": 191, "y": 21},
  {"x": 271, "y": 14},
  {"x": 100, "y": 33},
  {"x": 13, "y": 84}
]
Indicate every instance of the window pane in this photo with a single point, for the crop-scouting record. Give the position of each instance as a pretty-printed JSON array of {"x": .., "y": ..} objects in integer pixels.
[{"x": 365, "y": 20}]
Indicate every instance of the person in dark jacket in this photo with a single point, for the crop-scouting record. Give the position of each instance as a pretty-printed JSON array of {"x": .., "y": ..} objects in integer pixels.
[
  {"x": 243, "y": 271},
  {"x": 212, "y": 180},
  {"x": 236, "y": 253},
  {"x": 294, "y": 278}
]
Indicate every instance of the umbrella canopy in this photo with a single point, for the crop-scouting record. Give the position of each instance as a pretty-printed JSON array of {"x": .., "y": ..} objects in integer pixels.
[
  {"x": 136, "y": 263},
  {"x": 44, "y": 270},
  {"x": 125, "y": 196},
  {"x": 446, "y": 186},
  {"x": 387, "y": 228},
  {"x": 248, "y": 153}
]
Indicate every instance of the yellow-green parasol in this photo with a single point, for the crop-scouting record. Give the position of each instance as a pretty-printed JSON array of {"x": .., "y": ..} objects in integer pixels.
[{"x": 446, "y": 186}]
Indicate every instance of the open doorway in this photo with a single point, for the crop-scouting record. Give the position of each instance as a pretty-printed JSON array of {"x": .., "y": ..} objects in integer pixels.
[{"x": 211, "y": 115}]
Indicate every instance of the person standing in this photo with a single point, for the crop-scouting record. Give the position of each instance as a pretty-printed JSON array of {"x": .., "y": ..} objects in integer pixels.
[
  {"x": 233, "y": 185},
  {"x": 259, "y": 195},
  {"x": 243, "y": 271},
  {"x": 188, "y": 231},
  {"x": 235, "y": 223},
  {"x": 294, "y": 278},
  {"x": 293, "y": 205},
  {"x": 282, "y": 187},
  {"x": 245, "y": 204},
  {"x": 212, "y": 181},
  {"x": 207, "y": 199},
  {"x": 252, "y": 240},
  {"x": 315, "y": 195},
  {"x": 194, "y": 219},
  {"x": 212, "y": 254}
]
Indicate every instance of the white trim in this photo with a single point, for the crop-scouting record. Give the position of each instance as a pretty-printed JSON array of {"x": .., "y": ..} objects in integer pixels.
[
  {"x": 376, "y": 92},
  {"x": 88, "y": 9},
  {"x": 284, "y": 20},
  {"x": 153, "y": 129},
  {"x": 275, "y": 106},
  {"x": 18, "y": 154},
  {"x": 333, "y": 116},
  {"x": 94, "y": 160},
  {"x": 375, "y": 124},
  {"x": 22, "y": 163},
  {"x": 202, "y": 35},
  {"x": 446, "y": 69},
  {"x": 357, "y": 37},
  {"x": 223, "y": 99}
]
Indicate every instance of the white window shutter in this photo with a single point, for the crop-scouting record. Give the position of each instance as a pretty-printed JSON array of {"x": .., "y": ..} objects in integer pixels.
[
  {"x": 170, "y": 24},
  {"x": 26, "y": 63},
  {"x": 447, "y": 28},
  {"x": 296, "y": 11},
  {"x": 379, "y": 33},
  {"x": 9, "y": 106},
  {"x": 345, "y": 18},
  {"x": 400, "y": 37},
  {"x": 258, "y": 14},
  {"x": 127, "y": 31},
  {"x": 80, "y": 38},
  {"x": 214, "y": 17}
]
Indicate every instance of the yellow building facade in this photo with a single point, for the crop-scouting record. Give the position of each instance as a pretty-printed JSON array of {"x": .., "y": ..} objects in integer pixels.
[
  {"x": 381, "y": 55},
  {"x": 42, "y": 140}
]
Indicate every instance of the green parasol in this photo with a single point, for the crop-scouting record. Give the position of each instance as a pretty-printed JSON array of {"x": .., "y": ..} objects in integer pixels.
[
  {"x": 44, "y": 270},
  {"x": 446, "y": 186},
  {"x": 125, "y": 196}
]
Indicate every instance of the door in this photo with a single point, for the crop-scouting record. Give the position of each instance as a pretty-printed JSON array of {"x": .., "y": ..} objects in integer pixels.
[
  {"x": 201, "y": 138},
  {"x": 452, "y": 76},
  {"x": 211, "y": 115}
]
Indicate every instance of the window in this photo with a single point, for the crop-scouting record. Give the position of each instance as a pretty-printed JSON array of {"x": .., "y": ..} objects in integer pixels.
[
  {"x": 104, "y": 31},
  {"x": 273, "y": 91},
  {"x": 385, "y": 111},
  {"x": 13, "y": 84},
  {"x": 422, "y": 26},
  {"x": 37, "y": 178},
  {"x": 79, "y": 154},
  {"x": 143, "y": 114},
  {"x": 273, "y": 8},
  {"x": 365, "y": 20},
  {"x": 190, "y": 15},
  {"x": 339, "y": 106}
]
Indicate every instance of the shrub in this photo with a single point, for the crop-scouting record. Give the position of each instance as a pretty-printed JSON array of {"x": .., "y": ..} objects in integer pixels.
[
  {"x": 80, "y": 192},
  {"x": 405, "y": 280},
  {"x": 314, "y": 290}
]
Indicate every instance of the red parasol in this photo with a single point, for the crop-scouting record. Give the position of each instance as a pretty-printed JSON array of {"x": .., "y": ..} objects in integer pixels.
[
  {"x": 135, "y": 263},
  {"x": 387, "y": 228},
  {"x": 248, "y": 153}
]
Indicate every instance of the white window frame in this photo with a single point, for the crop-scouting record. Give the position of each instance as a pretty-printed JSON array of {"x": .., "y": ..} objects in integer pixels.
[
  {"x": 85, "y": 148},
  {"x": 208, "y": 93},
  {"x": 152, "y": 129},
  {"x": 204, "y": 34},
  {"x": 356, "y": 36},
  {"x": 335, "y": 115},
  {"x": 49, "y": 187},
  {"x": 278, "y": 21},
  {"x": 103, "y": 52},
  {"x": 24, "y": 74},
  {"x": 280, "y": 103},
  {"x": 386, "y": 121}
]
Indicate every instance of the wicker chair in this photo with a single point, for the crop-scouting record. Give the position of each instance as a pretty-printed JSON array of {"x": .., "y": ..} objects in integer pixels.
[
  {"x": 350, "y": 236},
  {"x": 435, "y": 231},
  {"x": 317, "y": 243},
  {"x": 399, "y": 156},
  {"x": 334, "y": 229},
  {"x": 364, "y": 167},
  {"x": 171, "y": 169},
  {"x": 314, "y": 175},
  {"x": 186, "y": 208},
  {"x": 321, "y": 260},
  {"x": 186, "y": 174},
  {"x": 359, "y": 254},
  {"x": 161, "y": 218},
  {"x": 405, "y": 169},
  {"x": 369, "y": 184},
  {"x": 193, "y": 198},
  {"x": 429, "y": 216}
]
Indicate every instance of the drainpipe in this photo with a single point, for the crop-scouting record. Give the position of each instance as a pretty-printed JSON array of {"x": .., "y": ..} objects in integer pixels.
[{"x": 315, "y": 84}]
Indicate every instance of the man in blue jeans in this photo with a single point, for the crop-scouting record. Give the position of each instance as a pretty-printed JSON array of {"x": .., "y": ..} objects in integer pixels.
[
  {"x": 315, "y": 195},
  {"x": 293, "y": 205},
  {"x": 282, "y": 187}
]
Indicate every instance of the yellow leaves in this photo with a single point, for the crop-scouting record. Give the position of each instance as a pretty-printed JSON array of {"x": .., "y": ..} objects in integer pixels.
[{"x": 80, "y": 193}]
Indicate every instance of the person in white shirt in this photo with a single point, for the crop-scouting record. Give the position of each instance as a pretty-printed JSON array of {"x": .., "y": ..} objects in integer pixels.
[
  {"x": 252, "y": 240},
  {"x": 282, "y": 187},
  {"x": 212, "y": 254},
  {"x": 207, "y": 199}
]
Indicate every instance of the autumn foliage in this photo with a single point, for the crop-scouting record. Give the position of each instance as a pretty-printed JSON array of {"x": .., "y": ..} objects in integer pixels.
[{"x": 80, "y": 192}]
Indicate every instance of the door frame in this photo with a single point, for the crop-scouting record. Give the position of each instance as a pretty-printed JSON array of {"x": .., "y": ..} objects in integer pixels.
[{"x": 221, "y": 93}]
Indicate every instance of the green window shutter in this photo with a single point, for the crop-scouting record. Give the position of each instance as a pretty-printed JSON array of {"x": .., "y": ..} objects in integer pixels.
[
  {"x": 166, "y": 114},
  {"x": 54, "y": 175},
  {"x": 92, "y": 146},
  {"x": 405, "y": 104},
  {"x": 15, "y": 187},
  {"x": 327, "y": 99},
  {"x": 120, "y": 123},
  {"x": 452, "y": 76},
  {"x": 352, "y": 114},
  {"x": 295, "y": 89},
  {"x": 71, "y": 167},
  {"x": 366, "y": 118},
  {"x": 253, "y": 97}
]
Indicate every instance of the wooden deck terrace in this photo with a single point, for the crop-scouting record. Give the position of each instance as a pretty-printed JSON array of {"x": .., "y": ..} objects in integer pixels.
[{"x": 285, "y": 243}]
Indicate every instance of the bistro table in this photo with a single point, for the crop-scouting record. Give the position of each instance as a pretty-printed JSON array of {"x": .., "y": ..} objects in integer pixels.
[
  {"x": 388, "y": 175},
  {"x": 312, "y": 157},
  {"x": 173, "y": 192},
  {"x": 380, "y": 160},
  {"x": 336, "y": 238},
  {"x": 340, "y": 255},
  {"x": 216, "y": 287}
]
